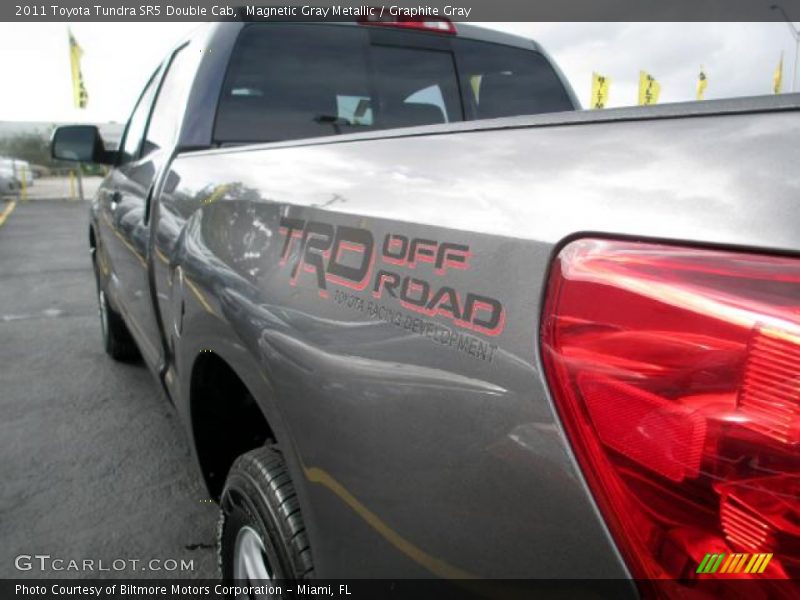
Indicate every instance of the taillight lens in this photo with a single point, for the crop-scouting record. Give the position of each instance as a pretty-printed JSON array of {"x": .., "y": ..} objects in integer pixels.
[{"x": 676, "y": 373}]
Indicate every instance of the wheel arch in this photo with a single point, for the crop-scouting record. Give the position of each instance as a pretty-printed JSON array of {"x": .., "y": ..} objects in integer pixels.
[
  {"x": 204, "y": 400},
  {"x": 224, "y": 416}
]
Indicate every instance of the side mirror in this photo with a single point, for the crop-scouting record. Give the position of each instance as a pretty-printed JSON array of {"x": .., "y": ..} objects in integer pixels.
[{"x": 79, "y": 143}]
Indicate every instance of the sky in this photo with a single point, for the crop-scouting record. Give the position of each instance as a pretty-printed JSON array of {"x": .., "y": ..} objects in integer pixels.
[{"x": 739, "y": 60}]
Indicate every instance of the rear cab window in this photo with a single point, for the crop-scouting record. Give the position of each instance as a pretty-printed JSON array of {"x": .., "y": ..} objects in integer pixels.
[
  {"x": 296, "y": 81},
  {"x": 415, "y": 86},
  {"x": 503, "y": 81},
  {"x": 288, "y": 82}
]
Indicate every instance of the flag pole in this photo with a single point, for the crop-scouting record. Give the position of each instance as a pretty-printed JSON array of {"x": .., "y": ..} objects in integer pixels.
[
  {"x": 80, "y": 181},
  {"x": 796, "y": 36}
]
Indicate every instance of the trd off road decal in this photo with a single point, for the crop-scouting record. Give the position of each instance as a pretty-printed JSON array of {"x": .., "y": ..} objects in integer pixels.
[{"x": 338, "y": 256}]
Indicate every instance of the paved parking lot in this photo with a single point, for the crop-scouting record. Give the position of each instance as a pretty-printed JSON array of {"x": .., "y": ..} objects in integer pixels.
[
  {"x": 60, "y": 187},
  {"x": 95, "y": 464}
]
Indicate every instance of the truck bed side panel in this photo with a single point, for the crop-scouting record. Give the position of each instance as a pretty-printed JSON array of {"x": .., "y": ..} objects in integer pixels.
[{"x": 426, "y": 440}]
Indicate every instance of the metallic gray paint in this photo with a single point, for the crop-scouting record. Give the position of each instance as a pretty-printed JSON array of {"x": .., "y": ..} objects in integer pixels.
[{"x": 413, "y": 459}]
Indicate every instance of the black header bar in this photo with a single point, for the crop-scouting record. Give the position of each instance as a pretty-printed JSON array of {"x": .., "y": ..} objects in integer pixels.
[{"x": 456, "y": 10}]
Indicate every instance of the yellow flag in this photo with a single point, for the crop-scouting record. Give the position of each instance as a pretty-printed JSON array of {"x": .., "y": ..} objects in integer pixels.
[
  {"x": 702, "y": 84},
  {"x": 79, "y": 95},
  {"x": 777, "y": 78},
  {"x": 475, "y": 83},
  {"x": 600, "y": 85},
  {"x": 649, "y": 89}
]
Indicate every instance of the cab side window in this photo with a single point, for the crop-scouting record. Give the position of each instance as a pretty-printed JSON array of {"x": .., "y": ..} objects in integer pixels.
[
  {"x": 134, "y": 132},
  {"x": 165, "y": 122}
]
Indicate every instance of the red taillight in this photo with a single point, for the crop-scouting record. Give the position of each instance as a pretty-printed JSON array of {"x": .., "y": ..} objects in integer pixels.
[
  {"x": 676, "y": 372},
  {"x": 437, "y": 24}
]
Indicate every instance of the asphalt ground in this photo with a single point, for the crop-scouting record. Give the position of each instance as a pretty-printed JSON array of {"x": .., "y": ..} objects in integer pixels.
[
  {"x": 95, "y": 464},
  {"x": 58, "y": 187}
]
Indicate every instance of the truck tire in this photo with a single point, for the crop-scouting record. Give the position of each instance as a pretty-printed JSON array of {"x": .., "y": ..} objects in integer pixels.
[
  {"x": 260, "y": 533},
  {"x": 117, "y": 340}
]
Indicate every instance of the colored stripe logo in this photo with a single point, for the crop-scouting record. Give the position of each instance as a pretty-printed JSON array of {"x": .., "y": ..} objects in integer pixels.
[{"x": 735, "y": 563}]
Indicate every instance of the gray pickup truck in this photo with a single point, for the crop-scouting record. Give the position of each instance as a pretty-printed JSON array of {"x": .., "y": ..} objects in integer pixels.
[{"x": 418, "y": 328}]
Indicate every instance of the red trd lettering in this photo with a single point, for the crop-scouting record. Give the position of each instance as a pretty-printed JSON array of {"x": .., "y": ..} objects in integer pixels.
[
  {"x": 292, "y": 229},
  {"x": 414, "y": 287},
  {"x": 317, "y": 239},
  {"x": 386, "y": 280},
  {"x": 358, "y": 244},
  {"x": 421, "y": 250},
  {"x": 453, "y": 256},
  {"x": 484, "y": 314},
  {"x": 395, "y": 249},
  {"x": 445, "y": 302},
  {"x": 345, "y": 256}
]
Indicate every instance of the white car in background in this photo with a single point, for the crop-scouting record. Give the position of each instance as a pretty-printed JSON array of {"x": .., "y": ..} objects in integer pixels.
[
  {"x": 8, "y": 185},
  {"x": 15, "y": 169}
]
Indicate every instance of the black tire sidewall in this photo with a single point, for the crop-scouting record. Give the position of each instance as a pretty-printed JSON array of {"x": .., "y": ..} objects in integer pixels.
[
  {"x": 243, "y": 505},
  {"x": 248, "y": 500},
  {"x": 98, "y": 290},
  {"x": 117, "y": 340}
]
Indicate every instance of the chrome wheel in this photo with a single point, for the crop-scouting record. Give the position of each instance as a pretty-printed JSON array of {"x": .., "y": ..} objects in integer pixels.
[{"x": 249, "y": 557}]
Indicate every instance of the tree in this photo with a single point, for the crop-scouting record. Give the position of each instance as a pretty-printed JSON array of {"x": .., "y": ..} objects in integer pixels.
[
  {"x": 35, "y": 148},
  {"x": 32, "y": 147}
]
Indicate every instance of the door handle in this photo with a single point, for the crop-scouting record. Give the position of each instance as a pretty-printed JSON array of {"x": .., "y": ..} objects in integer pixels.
[{"x": 115, "y": 198}]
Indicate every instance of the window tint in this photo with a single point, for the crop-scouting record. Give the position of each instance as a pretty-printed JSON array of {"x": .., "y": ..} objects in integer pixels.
[
  {"x": 137, "y": 123},
  {"x": 289, "y": 81},
  {"x": 292, "y": 81},
  {"x": 415, "y": 86},
  {"x": 165, "y": 121},
  {"x": 501, "y": 81},
  {"x": 355, "y": 109}
]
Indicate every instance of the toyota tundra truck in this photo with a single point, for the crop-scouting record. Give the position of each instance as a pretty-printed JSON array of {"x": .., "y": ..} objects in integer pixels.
[{"x": 422, "y": 318}]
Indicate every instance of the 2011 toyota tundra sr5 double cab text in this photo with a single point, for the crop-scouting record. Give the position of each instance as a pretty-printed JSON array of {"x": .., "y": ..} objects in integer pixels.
[{"x": 412, "y": 334}]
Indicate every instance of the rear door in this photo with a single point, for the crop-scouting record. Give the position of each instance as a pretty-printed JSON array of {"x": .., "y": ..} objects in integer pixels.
[
  {"x": 116, "y": 202},
  {"x": 146, "y": 149}
]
